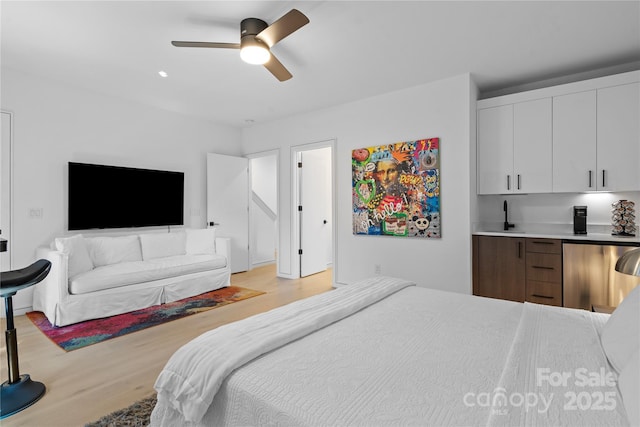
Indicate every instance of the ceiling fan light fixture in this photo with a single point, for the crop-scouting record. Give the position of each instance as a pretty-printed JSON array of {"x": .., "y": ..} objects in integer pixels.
[
  {"x": 254, "y": 52},
  {"x": 256, "y": 40}
]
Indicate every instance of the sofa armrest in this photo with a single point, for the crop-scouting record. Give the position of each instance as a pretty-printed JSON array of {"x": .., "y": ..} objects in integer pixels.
[
  {"x": 55, "y": 287},
  {"x": 223, "y": 247}
]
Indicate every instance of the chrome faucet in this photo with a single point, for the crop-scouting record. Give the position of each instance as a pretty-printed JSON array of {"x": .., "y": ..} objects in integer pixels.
[{"x": 507, "y": 226}]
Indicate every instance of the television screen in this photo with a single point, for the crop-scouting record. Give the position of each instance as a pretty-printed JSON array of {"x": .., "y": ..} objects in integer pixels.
[{"x": 117, "y": 197}]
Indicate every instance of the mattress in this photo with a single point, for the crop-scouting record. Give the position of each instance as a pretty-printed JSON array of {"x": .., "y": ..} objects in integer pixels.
[{"x": 412, "y": 357}]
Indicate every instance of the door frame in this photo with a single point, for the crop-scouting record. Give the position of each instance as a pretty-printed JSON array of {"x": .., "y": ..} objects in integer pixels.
[
  {"x": 11, "y": 189},
  {"x": 276, "y": 153},
  {"x": 295, "y": 215}
]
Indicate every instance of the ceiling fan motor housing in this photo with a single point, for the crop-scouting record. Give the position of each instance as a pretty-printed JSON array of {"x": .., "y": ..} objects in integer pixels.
[{"x": 251, "y": 26}]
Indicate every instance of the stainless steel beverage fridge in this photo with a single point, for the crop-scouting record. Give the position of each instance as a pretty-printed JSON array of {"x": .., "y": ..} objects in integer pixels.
[{"x": 589, "y": 276}]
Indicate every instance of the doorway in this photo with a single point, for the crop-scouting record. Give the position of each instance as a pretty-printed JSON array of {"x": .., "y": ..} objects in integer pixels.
[
  {"x": 314, "y": 208},
  {"x": 263, "y": 208},
  {"x": 6, "y": 129}
]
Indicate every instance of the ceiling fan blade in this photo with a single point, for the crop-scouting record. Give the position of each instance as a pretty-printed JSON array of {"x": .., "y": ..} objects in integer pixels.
[
  {"x": 207, "y": 44},
  {"x": 277, "y": 69},
  {"x": 287, "y": 24}
]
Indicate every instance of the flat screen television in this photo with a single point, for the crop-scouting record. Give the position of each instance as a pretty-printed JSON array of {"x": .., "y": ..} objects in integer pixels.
[{"x": 103, "y": 196}]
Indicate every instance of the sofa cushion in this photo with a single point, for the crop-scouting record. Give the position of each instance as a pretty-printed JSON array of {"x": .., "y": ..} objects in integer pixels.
[
  {"x": 114, "y": 250},
  {"x": 201, "y": 241},
  {"x": 75, "y": 247},
  {"x": 130, "y": 273},
  {"x": 162, "y": 245}
]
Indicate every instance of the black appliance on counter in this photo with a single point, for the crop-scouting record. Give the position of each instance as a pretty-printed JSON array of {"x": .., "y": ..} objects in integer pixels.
[{"x": 579, "y": 220}]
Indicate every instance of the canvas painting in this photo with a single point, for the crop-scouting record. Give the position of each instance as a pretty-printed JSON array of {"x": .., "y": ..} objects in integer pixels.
[{"x": 396, "y": 189}]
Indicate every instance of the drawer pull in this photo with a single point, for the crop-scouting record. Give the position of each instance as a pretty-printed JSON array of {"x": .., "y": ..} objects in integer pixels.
[
  {"x": 542, "y": 242},
  {"x": 541, "y": 296},
  {"x": 543, "y": 267}
]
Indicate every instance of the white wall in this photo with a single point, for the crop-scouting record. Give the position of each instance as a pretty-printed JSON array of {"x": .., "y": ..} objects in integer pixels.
[
  {"x": 55, "y": 124},
  {"x": 264, "y": 181},
  {"x": 442, "y": 109}
]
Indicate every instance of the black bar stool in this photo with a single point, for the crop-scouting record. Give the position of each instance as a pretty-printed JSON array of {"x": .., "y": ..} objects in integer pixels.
[{"x": 19, "y": 392}]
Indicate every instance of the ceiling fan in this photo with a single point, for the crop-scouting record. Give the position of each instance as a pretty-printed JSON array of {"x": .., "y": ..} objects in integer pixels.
[{"x": 257, "y": 38}]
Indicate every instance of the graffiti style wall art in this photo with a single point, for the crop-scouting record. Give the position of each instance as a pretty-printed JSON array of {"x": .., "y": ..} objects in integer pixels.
[{"x": 396, "y": 189}]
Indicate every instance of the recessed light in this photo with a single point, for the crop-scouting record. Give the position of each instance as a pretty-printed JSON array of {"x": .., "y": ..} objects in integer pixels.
[{"x": 163, "y": 73}]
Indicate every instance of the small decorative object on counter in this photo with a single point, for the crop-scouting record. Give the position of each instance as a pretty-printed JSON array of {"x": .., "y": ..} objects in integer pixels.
[{"x": 623, "y": 218}]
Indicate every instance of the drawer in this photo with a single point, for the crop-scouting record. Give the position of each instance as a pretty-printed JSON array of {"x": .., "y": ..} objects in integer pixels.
[
  {"x": 544, "y": 292},
  {"x": 544, "y": 267},
  {"x": 545, "y": 246}
]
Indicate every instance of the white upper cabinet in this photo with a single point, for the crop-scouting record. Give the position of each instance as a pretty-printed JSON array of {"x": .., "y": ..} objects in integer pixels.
[
  {"x": 514, "y": 148},
  {"x": 574, "y": 142},
  {"x": 571, "y": 138},
  {"x": 532, "y": 153},
  {"x": 495, "y": 150},
  {"x": 618, "y": 149}
]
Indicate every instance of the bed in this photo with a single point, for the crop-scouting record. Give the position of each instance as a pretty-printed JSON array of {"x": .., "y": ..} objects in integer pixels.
[{"x": 386, "y": 352}]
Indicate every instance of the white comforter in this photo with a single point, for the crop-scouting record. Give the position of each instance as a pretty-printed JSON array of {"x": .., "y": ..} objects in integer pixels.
[
  {"x": 194, "y": 373},
  {"x": 400, "y": 355}
]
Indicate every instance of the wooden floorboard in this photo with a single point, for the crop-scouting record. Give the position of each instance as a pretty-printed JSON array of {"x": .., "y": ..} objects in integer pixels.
[{"x": 85, "y": 384}]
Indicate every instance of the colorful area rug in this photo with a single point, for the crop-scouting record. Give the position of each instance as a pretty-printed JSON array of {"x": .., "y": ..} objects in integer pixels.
[{"x": 82, "y": 334}]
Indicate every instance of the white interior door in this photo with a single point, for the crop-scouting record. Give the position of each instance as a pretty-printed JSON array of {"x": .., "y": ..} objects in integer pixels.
[
  {"x": 5, "y": 188},
  {"x": 315, "y": 217},
  {"x": 228, "y": 204}
]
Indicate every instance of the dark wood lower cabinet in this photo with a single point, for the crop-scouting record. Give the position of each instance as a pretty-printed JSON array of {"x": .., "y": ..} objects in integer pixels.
[
  {"x": 518, "y": 269},
  {"x": 499, "y": 267}
]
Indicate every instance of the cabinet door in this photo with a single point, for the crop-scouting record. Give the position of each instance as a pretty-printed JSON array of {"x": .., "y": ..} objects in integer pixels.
[
  {"x": 532, "y": 147},
  {"x": 495, "y": 150},
  {"x": 618, "y": 149},
  {"x": 499, "y": 267},
  {"x": 574, "y": 142}
]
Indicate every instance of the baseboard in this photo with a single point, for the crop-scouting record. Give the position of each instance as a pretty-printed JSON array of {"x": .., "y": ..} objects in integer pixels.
[
  {"x": 262, "y": 263},
  {"x": 17, "y": 311}
]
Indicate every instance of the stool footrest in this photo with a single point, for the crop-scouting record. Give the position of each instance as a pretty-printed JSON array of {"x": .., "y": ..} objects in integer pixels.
[{"x": 18, "y": 396}]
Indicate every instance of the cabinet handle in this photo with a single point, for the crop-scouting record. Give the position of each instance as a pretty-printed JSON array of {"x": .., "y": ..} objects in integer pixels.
[
  {"x": 590, "y": 173},
  {"x": 519, "y": 249},
  {"x": 542, "y": 242},
  {"x": 603, "y": 180},
  {"x": 541, "y": 296},
  {"x": 518, "y": 181},
  {"x": 508, "y": 182},
  {"x": 543, "y": 267}
]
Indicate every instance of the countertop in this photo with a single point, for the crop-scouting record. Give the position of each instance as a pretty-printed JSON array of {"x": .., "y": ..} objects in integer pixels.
[{"x": 578, "y": 238}]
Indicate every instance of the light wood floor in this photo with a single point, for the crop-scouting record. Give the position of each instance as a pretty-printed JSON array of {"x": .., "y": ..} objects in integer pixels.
[{"x": 85, "y": 384}]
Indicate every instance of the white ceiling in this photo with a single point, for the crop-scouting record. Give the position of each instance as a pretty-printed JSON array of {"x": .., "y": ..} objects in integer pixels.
[{"x": 349, "y": 50}]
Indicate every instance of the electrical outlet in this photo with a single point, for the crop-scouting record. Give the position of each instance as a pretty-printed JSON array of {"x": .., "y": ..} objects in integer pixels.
[
  {"x": 35, "y": 213},
  {"x": 378, "y": 269}
]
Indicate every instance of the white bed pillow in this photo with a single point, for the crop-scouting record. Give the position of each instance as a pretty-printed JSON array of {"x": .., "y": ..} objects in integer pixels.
[
  {"x": 201, "y": 241},
  {"x": 75, "y": 248},
  {"x": 114, "y": 250},
  {"x": 161, "y": 245},
  {"x": 620, "y": 336},
  {"x": 629, "y": 386}
]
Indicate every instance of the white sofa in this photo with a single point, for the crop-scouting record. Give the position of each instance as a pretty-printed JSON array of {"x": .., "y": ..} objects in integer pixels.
[{"x": 94, "y": 277}]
